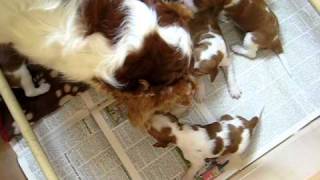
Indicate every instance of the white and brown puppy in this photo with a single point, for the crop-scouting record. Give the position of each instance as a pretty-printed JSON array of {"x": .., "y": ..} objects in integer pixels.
[
  {"x": 210, "y": 51},
  {"x": 253, "y": 17},
  {"x": 15, "y": 69},
  {"x": 118, "y": 42},
  {"x": 229, "y": 135}
]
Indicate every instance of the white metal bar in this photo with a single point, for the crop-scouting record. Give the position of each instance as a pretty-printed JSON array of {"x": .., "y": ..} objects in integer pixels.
[
  {"x": 116, "y": 145},
  {"x": 316, "y": 4},
  {"x": 25, "y": 128}
]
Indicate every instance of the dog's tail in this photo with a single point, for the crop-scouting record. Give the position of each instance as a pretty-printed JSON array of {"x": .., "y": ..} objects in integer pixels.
[
  {"x": 276, "y": 46},
  {"x": 253, "y": 122}
]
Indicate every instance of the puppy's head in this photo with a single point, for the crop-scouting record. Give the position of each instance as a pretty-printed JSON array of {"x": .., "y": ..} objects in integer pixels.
[
  {"x": 204, "y": 67},
  {"x": 159, "y": 128}
]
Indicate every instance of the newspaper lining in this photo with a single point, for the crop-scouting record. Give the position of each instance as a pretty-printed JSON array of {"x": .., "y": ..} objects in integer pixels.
[{"x": 78, "y": 149}]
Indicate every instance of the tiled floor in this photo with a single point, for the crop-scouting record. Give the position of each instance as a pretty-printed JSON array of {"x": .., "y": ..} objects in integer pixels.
[
  {"x": 9, "y": 168},
  {"x": 296, "y": 159}
]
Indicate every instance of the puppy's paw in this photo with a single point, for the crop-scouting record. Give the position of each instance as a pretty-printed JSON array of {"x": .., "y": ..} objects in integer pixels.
[
  {"x": 66, "y": 93},
  {"x": 43, "y": 88},
  {"x": 238, "y": 49},
  {"x": 235, "y": 92}
]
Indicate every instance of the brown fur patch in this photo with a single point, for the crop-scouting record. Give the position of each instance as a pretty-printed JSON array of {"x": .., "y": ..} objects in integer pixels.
[
  {"x": 226, "y": 117},
  {"x": 10, "y": 60},
  {"x": 250, "y": 124},
  {"x": 211, "y": 66},
  {"x": 156, "y": 62},
  {"x": 173, "y": 13},
  {"x": 235, "y": 139},
  {"x": 195, "y": 127},
  {"x": 163, "y": 137},
  {"x": 103, "y": 16},
  {"x": 212, "y": 129},
  {"x": 218, "y": 145}
]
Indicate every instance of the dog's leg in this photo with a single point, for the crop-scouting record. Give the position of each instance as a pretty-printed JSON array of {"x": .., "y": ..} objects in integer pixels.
[
  {"x": 201, "y": 90},
  {"x": 232, "y": 84},
  {"x": 249, "y": 48},
  {"x": 27, "y": 84},
  {"x": 194, "y": 168}
]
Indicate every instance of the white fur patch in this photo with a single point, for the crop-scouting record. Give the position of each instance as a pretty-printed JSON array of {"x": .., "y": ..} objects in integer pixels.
[
  {"x": 232, "y": 3},
  {"x": 245, "y": 141},
  {"x": 217, "y": 44},
  {"x": 177, "y": 37},
  {"x": 51, "y": 35},
  {"x": 190, "y": 4}
]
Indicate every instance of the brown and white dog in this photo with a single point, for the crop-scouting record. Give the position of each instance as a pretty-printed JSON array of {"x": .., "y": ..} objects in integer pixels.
[
  {"x": 210, "y": 52},
  {"x": 118, "y": 42},
  {"x": 229, "y": 135},
  {"x": 253, "y": 17},
  {"x": 16, "y": 71}
]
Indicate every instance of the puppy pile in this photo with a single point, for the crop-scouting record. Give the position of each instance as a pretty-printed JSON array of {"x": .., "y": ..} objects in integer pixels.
[
  {"x": 230, "y": 134},
  {"x": 141, "y": 52}
]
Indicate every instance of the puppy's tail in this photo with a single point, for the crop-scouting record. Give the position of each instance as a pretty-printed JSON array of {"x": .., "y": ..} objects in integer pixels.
[
  {"x": 254, "y": 121},
  {"x": 276, "y": 46}
]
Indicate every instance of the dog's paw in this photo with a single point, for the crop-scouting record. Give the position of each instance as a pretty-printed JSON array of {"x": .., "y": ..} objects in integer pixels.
[
  {"x": 235, "y": 92},
  {"x": 43, "y": 88},
  {"x": 66, "y": 93}
]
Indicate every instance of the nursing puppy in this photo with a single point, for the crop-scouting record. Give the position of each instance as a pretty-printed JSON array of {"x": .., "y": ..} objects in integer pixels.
[
  {"x": 210, "y": 52},
  {"x": 253, "y": 17},
  {"x": 118, "y": 42},
  {"x": 146, "y": 101},
  {"x": 229, "y": 135},
  {"x": 15, "y": 69}
]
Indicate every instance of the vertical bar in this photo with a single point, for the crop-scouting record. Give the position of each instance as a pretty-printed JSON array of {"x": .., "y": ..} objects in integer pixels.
[
  {"x": 25, "y": 128},
  {"x": 316, "y": 4},
  {"x": 116, "y": 145}
]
